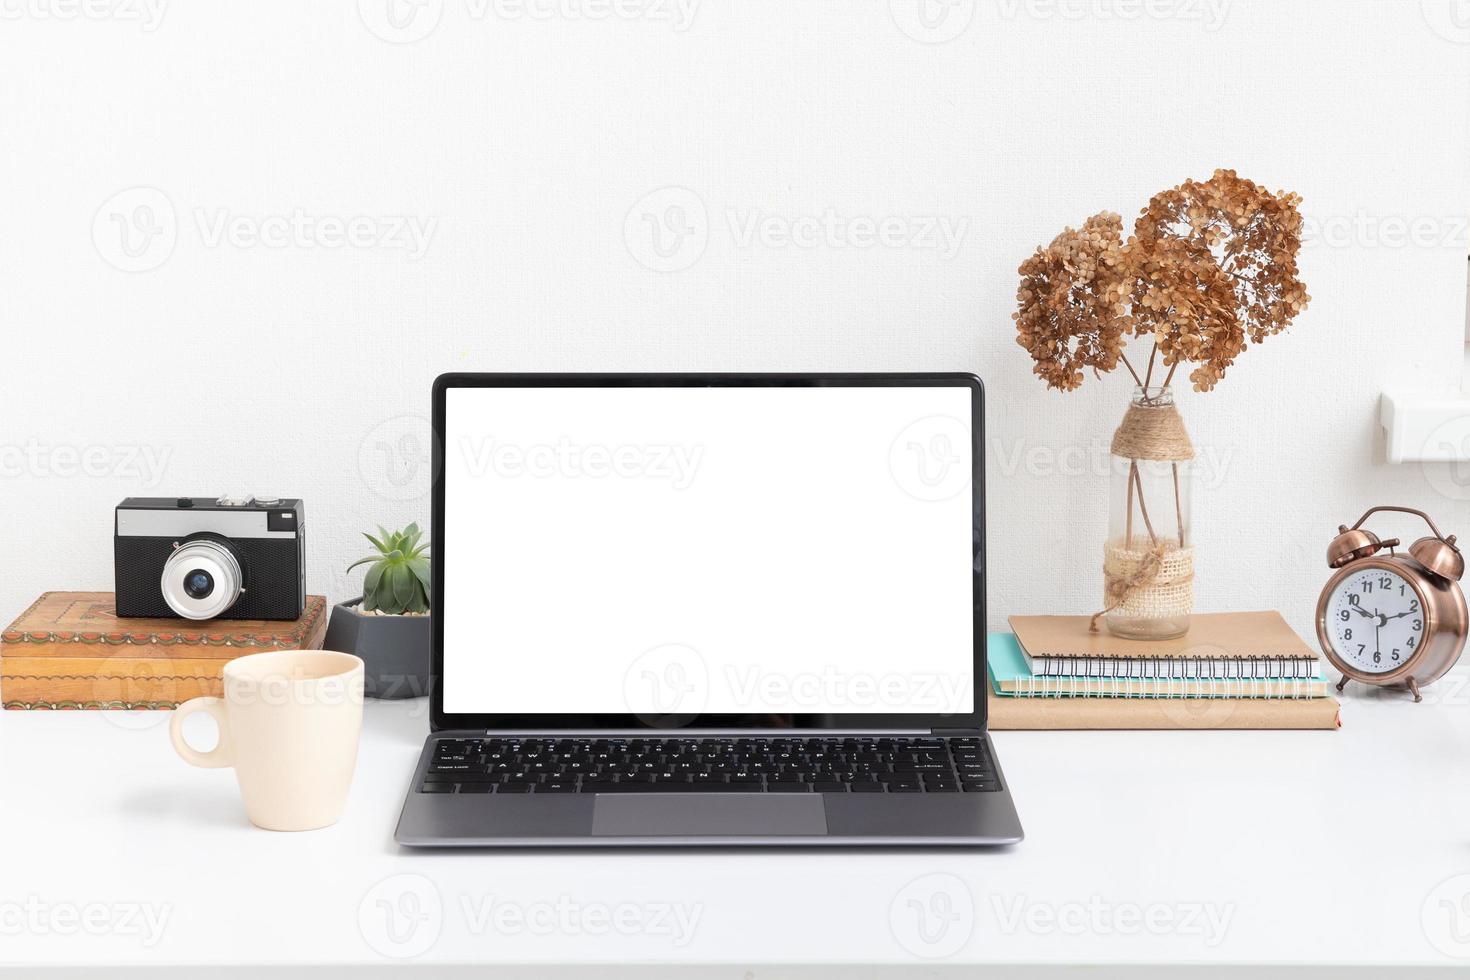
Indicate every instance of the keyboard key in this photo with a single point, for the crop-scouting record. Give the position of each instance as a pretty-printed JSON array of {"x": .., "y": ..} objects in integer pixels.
[
  {"x": 476, "y": 788},
  {"x": 479, "y": 777},
  {"x": 439, "y": 787},
  {"x": 829, "y": 787},
  {"x": 865, "y": 787}
]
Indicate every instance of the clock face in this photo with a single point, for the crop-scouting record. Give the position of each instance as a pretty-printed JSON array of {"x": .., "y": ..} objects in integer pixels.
[{"x": 1375, "y": 621}]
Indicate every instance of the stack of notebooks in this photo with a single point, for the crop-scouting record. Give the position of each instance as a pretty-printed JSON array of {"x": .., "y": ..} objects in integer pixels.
[{"x": 1231, "y": 670}]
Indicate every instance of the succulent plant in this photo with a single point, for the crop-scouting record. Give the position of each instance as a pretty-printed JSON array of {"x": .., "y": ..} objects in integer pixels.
[{"x": 398, "y": 580}]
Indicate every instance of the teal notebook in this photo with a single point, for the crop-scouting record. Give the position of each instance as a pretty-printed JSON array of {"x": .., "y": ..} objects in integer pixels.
[{"x": 1011, "y": 677}]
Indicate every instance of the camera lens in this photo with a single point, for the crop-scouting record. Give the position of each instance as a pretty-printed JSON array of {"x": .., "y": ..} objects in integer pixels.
[
  {"x": 198, "y": 583},
  {"x": 203, "y": 578}
]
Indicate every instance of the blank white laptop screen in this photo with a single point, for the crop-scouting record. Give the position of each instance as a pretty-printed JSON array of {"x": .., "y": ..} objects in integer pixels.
[{"x": 723, "y": 550}]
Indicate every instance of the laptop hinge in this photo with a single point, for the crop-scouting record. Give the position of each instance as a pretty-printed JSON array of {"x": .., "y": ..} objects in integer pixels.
[{"x": 956, "y": 731}]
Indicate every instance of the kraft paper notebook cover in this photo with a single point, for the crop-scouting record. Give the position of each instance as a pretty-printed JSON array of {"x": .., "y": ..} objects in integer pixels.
[
  {"x": 1178, "y": 714},
  {"x": 1252, "y": 645}
]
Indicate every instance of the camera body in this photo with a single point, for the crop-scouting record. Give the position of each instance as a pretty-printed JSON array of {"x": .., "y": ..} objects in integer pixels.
[{"x": 210, "y": 558}]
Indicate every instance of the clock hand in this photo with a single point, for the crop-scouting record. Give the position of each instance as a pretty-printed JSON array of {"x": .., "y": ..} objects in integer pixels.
[{"x": 1362, "y": 612}]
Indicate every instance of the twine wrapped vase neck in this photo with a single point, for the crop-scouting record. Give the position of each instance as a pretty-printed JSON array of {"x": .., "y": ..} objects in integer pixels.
[{"x": 1153, "y": 432}]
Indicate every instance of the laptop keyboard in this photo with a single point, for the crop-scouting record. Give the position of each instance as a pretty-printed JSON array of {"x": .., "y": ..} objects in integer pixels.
[{"x": 711, "y": 765}]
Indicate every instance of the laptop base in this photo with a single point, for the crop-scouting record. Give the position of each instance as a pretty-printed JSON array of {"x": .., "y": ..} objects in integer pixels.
[{"x": 685, "y": 819}]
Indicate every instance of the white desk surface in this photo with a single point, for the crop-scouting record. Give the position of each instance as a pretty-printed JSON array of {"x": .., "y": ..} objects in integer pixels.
[{"x": 1347, "y": 847}]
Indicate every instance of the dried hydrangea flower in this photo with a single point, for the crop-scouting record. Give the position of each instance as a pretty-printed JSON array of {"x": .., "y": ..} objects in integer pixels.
[
  {"x": 1216, "y": 263},
  {"x": 1073, "y": 302}
]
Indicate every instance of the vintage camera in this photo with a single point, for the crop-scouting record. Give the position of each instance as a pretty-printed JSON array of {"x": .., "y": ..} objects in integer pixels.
[{"x": 210, "y": 558}]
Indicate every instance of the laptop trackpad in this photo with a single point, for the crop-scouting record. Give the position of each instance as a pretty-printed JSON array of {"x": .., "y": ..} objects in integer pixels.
[{"x": 713, "y": 815}]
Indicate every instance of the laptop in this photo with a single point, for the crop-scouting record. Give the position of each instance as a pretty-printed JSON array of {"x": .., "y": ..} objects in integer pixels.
[{"x": 724, "y": 609}]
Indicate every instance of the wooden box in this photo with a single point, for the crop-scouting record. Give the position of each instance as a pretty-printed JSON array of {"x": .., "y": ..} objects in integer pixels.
[{"x": 72, "y": 650}]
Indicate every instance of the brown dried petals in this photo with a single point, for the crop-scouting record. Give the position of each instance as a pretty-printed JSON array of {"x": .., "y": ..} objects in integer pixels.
[
  {"x": 1222, "y": 254},
  {"x": 1073, "y": 301},
  {"x": 1211, "y": 267}
]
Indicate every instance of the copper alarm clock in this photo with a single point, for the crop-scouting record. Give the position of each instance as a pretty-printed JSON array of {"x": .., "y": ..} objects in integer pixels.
[{"x": 1392, "y": 620}]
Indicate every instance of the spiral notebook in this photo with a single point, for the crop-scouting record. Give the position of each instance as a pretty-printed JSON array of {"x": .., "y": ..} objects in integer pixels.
[
  {"x": 1160, "y": 714},
  {"x": 1011, "y": 676},
  {"x": 1251, "y": 646}
]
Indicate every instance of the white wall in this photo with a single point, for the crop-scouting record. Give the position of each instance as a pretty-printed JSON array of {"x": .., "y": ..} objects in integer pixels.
[{"x": 526, "y": 142}]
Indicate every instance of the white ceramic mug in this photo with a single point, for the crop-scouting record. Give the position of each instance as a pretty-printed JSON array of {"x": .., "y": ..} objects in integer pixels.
[{"x": 288, "y": 724}]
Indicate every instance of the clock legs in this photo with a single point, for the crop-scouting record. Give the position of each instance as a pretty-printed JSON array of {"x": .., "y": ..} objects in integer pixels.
[{"x": 1411, "y": 684}]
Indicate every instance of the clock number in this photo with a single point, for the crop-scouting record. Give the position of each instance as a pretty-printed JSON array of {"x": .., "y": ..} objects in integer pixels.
[
  {"x": 1347, "y": 634},
  {"x": 1367, "y": 586},
  {"x": 1418, "y": 625},
  {"x": 1353, "y": 599},
  {"x": 1385, "y": 582},
  {"x": 1344, "y": 616},
  {"x": 1413, "y": 605},
  {"x": 1412, "y": 641},
  {"x": 1395, "y": 654},
  {"x": 1377, "y": 657},
  {"x": 1361, "y": 648}
]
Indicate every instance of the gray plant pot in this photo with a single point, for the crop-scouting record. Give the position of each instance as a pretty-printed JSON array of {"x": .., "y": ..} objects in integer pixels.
[{"x": 394, "y": 649}]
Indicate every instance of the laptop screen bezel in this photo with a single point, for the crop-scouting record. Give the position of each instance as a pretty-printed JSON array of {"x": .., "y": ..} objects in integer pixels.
[{"x": 440, "y": 720}]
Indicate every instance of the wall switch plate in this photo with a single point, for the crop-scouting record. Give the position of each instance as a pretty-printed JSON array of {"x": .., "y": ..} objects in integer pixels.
[{"x": 1426, "y": 428}]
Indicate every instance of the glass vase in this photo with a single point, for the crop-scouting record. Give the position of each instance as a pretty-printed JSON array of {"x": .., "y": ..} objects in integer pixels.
[{"x": 1148, "y": 562}]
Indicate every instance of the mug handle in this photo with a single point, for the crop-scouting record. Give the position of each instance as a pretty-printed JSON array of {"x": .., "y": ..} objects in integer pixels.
[{"x": 216, "y": 758}]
